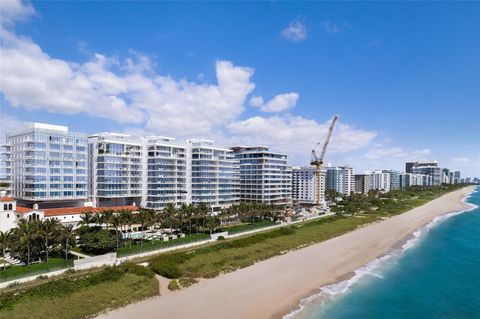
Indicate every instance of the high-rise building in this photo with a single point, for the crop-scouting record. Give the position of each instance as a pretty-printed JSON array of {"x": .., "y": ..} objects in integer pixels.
[
  {"x": 394, "y": 178},
  {"x": 166, "y": 180},
  {"x": 363, "y": 183},
  {"x": 381, "y": 181},
  {"x": 434, "y": 174},
  {"x": 46, "y": 165},
  {"x": 340, "y": 179},
  {"x": 213, "y": 173},
  {"x": 304, "y": 185},
  {"x": 116, "y": 169},
  {"x": 456, "y": 177},
  {"x": 264, "y": 175}
]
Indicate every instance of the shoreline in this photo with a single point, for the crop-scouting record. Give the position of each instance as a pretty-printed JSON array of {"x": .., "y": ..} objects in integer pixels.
[{"x": 275, "y": 287}]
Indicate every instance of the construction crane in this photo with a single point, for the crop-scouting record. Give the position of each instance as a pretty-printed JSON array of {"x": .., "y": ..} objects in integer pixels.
[{"x": 318, "y": 161}]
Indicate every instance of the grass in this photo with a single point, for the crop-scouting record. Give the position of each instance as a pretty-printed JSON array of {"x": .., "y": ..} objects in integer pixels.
[
  {"x": 248, "y": 226},
  {"x": 16, "y": 272},
  {"x": 226, "y": 256},
  {"x": 158, "y": 244},
  {"x": 81, "y": 297},
  {"x": 173, "y": 285}
]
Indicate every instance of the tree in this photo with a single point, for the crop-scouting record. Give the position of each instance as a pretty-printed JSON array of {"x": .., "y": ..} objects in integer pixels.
[
  {"x": 27, "y": 233},
  {"x": 98, "y": 241},
  {"x": 47, "y": 229},
  {"x": 5, "y": 241},
  {"x": 67, "y": 235},
  {"x": 116, "y": 222},
  {"x": 211, "y": 223},
  {"x": 127, "y": 219},
  {"x": 143, "y": 218},
  {"x": 86, "y": 219},
  {"x": 331, "y": 195}
]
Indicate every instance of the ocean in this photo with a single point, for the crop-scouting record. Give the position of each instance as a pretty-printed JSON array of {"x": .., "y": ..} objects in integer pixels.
[{"x": 436, "y": 274}]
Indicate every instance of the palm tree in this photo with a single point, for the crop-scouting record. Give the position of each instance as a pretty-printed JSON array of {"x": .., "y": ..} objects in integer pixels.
[
  {"x": 27, "y": 232},
  {"x": 47, "y": 229},
  {"x": 107, "y": 217},
  {"x": 116, "y": 221},
  {"x": 143, "y": 218},
  {"x": 127, "y": 218},
  {"x": 67, "y": 234},
  {"x": 5, "y": 241},
  {"x": 86, "y": 219}
]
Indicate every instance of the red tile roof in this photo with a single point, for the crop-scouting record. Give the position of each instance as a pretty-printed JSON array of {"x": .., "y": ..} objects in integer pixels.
[
  {"x": 23, "y": 210},
  {"x": 7, "y": 199},
  {"x": 84, "y": 210}
]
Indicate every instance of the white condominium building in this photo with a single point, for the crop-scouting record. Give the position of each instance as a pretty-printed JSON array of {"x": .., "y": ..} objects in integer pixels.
[
  {"x": 264, "y": 176},
  {"x": 116, "y": 169},
  {"x": 304, "y": 185},
  {"x": 166, "y": 181},
  {"x": 213, "y": 174},
  {"x": 46, "y": 164},
  {"x": 381, "y": 181},
  {"x": 340, "y": 179}
]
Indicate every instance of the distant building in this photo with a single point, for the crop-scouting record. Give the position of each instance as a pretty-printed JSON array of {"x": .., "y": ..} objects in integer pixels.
[
  {"x": 47, "y": 165},
  {"x": 304, "y": 185},
  {"x": 363, "y": 183},
  {"x": 265, "y": 176},
  {"x": 429, "y": 168},
  {"x": 456, "y": 177},
  {"x": 340, "y": 179},
  {"x": 394, "y": 179},
  {"x": 381, "y": 181}
]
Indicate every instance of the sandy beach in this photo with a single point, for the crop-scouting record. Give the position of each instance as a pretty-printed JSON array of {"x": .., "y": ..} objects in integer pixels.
[{"x": 274, "y": 287}]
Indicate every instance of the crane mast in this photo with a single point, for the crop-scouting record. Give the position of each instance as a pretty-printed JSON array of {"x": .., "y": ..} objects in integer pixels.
[{"x": 318, "y": 162}]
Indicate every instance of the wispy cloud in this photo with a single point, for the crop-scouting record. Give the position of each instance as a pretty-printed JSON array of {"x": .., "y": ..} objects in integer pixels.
[
  {"x": 374, "y": 43},
  {"x": 295, "y": 31},
  {"x": 279, "y": 103},
  {"x": 331, "y": 27}
]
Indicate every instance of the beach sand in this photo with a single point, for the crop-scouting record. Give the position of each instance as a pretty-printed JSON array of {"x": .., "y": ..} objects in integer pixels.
[{"x": 274, "y": 287}]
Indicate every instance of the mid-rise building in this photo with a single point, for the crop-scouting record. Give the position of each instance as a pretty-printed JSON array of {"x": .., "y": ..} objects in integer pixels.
[
  {"x": 394, "y": 178},
  {"x": 47, "y": 165},
  {"x": 429, "y": 168},
  {"x": 116, "y": 169},
  {"x": 304, "y": 185},
  {"x": 381, "y": 181},
  {"x": 363, "y": 183},
  {"x": 340, "y": 179},
  {"x": 265, "y": 176},
  {"x": 213, "y": 174},
  {"x": 166, "y": 180}
]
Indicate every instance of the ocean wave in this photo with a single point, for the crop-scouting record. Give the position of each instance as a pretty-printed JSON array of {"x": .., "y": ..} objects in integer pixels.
[{"x": 374, "y": 267}]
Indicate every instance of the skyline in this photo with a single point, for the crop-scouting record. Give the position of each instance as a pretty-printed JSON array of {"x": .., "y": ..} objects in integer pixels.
[{"x": 187, "y": 76}]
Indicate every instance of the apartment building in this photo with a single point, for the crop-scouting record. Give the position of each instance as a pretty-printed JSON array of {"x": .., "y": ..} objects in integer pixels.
[
  {"x": 166, "y": 180},
  {"x": 363, "y": 183},
  {"x": 213, "y": 174},
  {"x": 304, "y": 184},
  {"x": 265, "y": 176},
  {"x": 116, "y": 169},
  {"x": 340, "y": 179},
  {"x": 46, "y": 165},
  {"x": 381, "y": 181}
]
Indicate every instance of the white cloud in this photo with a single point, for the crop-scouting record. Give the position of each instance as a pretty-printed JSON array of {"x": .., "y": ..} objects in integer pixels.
[
  {"x": 10, "y": 124},
  {"x": 279, "y": 103},
  {"x": 296, "y": 135},
  {"x": 295, "y": 31},
  {"x": 331, "y": 27},
  {"x": 12, "y": 11}
]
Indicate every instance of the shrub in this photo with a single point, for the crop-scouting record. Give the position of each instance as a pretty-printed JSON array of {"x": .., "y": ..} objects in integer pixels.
[
  {"x": 187, "y": 282},
  {"x": 137, "y": 270},
  {"x": 98, "y": 241},
  {"x": 167, "y": 265},
  {"x": 221, "y": 238},
  {"x": 173, "y": 285},
  {"x": 41, "y": 277}
]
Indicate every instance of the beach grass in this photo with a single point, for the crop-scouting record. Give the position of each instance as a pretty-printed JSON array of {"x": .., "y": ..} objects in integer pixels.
[{"x": 80, "y": 297}]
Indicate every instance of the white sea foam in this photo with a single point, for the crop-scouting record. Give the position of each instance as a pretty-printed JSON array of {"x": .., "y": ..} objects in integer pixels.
[{"x": 373, "y": 268}]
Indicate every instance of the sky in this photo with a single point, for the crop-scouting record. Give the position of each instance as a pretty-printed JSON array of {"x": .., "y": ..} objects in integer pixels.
[{"x": 404, "y": 78}]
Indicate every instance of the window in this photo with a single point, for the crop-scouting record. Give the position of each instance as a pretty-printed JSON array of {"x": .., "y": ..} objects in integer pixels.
[
  {"x": 5, "y": 207},
  {"x": 10, "y": 207},
  {"x": 8, "y": 215}
]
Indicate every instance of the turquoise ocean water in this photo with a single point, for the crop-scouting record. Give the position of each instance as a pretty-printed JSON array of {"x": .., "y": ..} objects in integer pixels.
[{"x": 436, "y": 274}]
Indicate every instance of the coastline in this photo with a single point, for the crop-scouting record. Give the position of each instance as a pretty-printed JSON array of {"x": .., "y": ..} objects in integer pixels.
[{"x": 275, "y": 287}]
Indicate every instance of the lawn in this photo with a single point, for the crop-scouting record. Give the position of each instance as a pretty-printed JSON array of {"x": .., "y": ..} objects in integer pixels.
[
  {"x": 15, "y": 272},
  {"x": 158, "y": 244},
  {"x": 248, "y": 226},
  {"x": 80, "y": 297}
]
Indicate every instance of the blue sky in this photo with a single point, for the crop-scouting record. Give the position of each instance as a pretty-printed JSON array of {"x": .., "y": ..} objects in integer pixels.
[{"x": 404, "y": 77}]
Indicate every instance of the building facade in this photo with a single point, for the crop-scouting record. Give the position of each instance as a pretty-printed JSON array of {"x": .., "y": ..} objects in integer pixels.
[
  {"x": 363, "y": 183},
  {"x": 265, "y": 176},
  {"x": 340, "y": 179},
  {"x": 47, "y": 165},
  {"x": 304, "y": 184},
  {"x": 213, "y": 174},
  {"x": 116, "y": 169},
  {"x": 381, "y": 181}
]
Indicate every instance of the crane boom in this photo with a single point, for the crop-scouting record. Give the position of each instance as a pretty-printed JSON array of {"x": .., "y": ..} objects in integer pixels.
[
  {"x": 318, "y": 161},
  {"x": 329, "y": 135}
]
